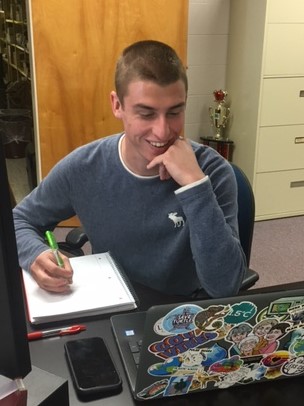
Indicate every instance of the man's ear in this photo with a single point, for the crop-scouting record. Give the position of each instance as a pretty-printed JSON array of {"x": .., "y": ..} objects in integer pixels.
[{"x": 116, "y": 105}]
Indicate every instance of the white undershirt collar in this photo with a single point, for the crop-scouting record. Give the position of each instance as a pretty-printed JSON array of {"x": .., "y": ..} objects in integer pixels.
[
  {"x": 125, "y": 166},
  {"x": 179, "y": 190}
]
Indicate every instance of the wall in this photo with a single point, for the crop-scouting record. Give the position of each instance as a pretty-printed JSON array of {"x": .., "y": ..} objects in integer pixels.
[{"x": 207, "y": 53}]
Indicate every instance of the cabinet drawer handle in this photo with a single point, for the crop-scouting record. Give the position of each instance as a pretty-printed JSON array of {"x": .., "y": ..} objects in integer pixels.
[
  {"x": 301, "y": 93},
  {"x": 298, "y": 183},
  {"x": 299, "y": 140}
]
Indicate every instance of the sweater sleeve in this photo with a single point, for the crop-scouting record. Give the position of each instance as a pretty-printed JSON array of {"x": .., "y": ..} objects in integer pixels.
[
  {"x": 211, "y": 212},
  {"x": 41, "y": 210}
]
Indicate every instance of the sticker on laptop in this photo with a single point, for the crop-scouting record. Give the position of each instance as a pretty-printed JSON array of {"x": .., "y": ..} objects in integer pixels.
[
  {"x": 189, "y": 361},
  {"x": 225, "y": 345},
  {"x": 178, "y": 321}
]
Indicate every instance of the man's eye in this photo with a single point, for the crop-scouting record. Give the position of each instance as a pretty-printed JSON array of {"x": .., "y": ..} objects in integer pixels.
[
  {"x": 174, "y": 113},
  {"x": 146, "y": 115}
]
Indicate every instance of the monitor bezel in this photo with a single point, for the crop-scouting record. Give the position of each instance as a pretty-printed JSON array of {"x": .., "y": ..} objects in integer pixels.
[{"x": 14, "y": 348}]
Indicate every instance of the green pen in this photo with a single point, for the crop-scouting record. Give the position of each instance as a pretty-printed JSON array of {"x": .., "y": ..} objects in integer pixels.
[{"x": 54, "y": 247}]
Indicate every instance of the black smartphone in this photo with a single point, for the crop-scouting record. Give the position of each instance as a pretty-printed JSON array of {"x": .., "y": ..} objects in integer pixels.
[{"x": 92, "y": 367}]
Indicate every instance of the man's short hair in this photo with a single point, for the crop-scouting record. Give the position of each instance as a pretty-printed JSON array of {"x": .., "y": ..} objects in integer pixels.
[{"x": 151, "y": 61}]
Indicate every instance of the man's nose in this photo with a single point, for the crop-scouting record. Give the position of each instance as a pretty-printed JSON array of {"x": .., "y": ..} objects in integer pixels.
[{"x": 161, "y": 127}]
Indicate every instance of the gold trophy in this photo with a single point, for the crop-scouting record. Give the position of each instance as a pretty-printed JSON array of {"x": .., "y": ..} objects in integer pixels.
[{"x": 219, "y": 114}]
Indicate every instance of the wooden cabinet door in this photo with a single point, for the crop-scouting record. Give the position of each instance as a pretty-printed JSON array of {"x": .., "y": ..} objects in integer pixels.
[{"x": 75, "y": 45}]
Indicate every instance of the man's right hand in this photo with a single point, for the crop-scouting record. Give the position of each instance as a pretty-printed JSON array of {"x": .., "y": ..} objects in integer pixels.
[{"x": 49, "y": 275}]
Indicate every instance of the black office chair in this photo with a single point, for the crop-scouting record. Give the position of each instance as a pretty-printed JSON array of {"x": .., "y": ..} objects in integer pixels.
[
  {"x": 246, "y": 215},
  {"x": 74, "y": 241},
  {"x": 76, "y": 238}
]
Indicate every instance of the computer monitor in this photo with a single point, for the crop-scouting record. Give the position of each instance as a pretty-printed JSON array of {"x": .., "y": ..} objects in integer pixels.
[{"x": 14, "y": 349}]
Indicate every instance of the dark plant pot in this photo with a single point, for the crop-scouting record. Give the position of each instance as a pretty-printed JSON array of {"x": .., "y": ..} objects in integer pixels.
[{"x": 15, "y": 149}]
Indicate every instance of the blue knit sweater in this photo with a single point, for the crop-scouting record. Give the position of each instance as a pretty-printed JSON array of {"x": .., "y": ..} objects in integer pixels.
[{"x": 175, "y": 241}]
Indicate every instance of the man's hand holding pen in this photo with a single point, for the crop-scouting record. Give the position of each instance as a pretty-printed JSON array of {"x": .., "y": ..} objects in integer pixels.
[
  {"x": 49, "y": 275},
  {"x": 52, "y": 270}
]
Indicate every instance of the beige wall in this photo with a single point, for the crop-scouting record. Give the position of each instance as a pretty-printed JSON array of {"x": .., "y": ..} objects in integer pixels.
[{"x": 207, "y": 52}]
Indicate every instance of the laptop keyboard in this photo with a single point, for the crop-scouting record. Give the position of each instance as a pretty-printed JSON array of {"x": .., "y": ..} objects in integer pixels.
[{"x": 135, "y": 346}]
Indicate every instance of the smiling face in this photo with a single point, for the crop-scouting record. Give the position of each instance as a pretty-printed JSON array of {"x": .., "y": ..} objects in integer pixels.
[
  {"x": 238, "y": 337},
  {"x": 262, "y": 329},
  {"x": 273, "y": 334},
  {"x": 153, "y": 117}
]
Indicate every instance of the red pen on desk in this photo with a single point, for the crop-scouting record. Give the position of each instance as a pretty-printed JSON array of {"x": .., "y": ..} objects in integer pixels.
[{"x": 56, "y": 332}]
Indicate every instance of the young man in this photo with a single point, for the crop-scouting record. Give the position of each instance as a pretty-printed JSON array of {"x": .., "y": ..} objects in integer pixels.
[{"x": 165, "y": 206}]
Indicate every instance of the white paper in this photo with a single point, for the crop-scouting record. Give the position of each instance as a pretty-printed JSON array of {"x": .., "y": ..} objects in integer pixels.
[{"x": 96, "y": 285}]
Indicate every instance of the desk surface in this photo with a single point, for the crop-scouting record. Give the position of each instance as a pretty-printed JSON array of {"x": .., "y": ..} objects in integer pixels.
[{"x": 48, "y": 354}]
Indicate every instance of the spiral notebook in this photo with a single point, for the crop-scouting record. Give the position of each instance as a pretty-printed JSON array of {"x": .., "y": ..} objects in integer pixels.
[{"x": 99, "y": 286}]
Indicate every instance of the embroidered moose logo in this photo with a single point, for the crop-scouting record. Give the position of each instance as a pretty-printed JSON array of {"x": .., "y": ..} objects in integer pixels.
[{"x": 177, "y": 220}]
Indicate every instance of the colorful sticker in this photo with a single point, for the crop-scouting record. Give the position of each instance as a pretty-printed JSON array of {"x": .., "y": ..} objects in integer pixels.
[
  {"x": 294, "y": 366},
  {"x": 201, "y": 379},
  {"x": 156, "y": 389},
  {"x": 180, "y": 319},
  {"x": 277, "y": 359},
  {"x": 172, "y": 346},
  {"x": 212, "y": 318},
  {"x": 231, "y": 378},
  {"x": 225, "y": 345},
  {"x": 280, "y": 307},
  {"x": 296, "y": 343},
  {"x": 178, "y": 385},
  {"x": 226, "y": 365},
  {"x": 189, "y": 362},
  {"x": 235, "y": 335},
  {"x": 240, "y": 312},
  {"x": 159, "y": 328},
  {"x": 297, "y": 316}
]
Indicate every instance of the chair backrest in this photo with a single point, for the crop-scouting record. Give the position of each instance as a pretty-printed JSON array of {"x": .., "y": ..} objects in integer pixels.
[{"x": 246, "y": 210}]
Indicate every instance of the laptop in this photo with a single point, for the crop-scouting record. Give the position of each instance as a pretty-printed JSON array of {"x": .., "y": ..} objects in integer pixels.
[{"x": 183, "y": 348}]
